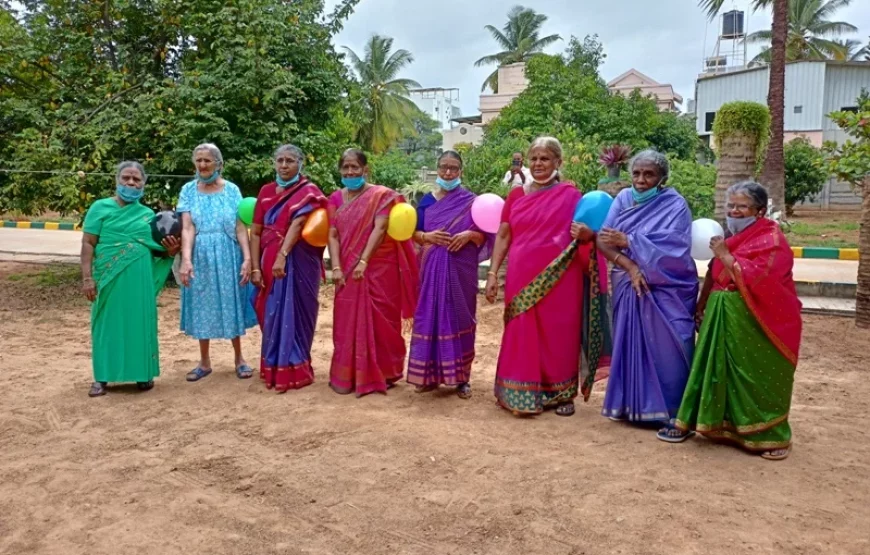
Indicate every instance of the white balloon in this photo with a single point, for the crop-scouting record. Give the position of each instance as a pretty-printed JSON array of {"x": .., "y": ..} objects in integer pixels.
[{"x": 702, "y": 231}]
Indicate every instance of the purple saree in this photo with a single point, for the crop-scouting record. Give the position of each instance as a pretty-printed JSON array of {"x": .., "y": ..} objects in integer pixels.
[
  {"x": 654, "y": 335},
  {"x": 442, "y": 344}
]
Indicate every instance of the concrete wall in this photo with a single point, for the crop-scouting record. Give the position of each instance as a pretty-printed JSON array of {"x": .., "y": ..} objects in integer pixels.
[
  {"x": 463, "y": 133},
  {"x": 511, "y": 82}
]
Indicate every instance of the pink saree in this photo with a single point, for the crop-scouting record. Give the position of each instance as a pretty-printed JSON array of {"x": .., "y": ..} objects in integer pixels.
[
  {"x": 540, "y": 359},
  {"x": 369, "y": 350}
]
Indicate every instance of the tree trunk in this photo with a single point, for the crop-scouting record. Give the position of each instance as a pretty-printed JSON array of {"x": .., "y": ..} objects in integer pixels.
[
  {"x": 737, "y": 162},
  {"x": 862, "y": 306},
  {"x": 773, "y": 176}
]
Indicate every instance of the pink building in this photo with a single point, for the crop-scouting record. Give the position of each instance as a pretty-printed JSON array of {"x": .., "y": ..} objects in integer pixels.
[{"x": 666, "y": 99}]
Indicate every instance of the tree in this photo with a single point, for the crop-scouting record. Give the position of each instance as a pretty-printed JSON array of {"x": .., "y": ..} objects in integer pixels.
[
  {"x": 519, "y": 39},
  {"x": 422, "y": 143},
  {"x": 388, "y": 110},
  {"x": 851, "y": 163},
  {"x": 805, "y": 173},
  {"x": 810, "y": 32},
  {"x": 87, "y": 84},
  {"x": 587, "y": 56},
  {"x": 773, "y": 175}
]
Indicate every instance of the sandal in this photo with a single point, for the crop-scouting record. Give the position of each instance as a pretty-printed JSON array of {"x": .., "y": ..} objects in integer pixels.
[
  {"x": 672, "y": 434},
  {"x": 198, "y": 373},
  {"x": 463, "y": 391},
  {"x": 98, "y": 389},
  {"x": 145, "y": 386},
  {"x": 425, "y": 388},
  {"x": 776, "y": 454},
  {"x": 243, "y": 371},
  {"x": 565, "y": 409}
]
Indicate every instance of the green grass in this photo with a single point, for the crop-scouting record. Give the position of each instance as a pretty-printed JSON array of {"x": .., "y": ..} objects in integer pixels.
[
  {"x": 15, "y": 216},
  {"x": 838, "y": 235},
  {"x": 51, "y": 276}
]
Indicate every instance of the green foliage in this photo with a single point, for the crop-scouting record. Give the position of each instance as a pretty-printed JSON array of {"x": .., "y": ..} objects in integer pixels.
[
  {"x": 86, "y": 85},
  {"x": 394, "y": 169},
  {"x": 423, "y": 142},
  {"x": 805, "y": 172},
  {"x": 585, "y": 57},
  {"x": 415, "y": 192},
  {"x": 387, "y": 110},
  {"x": 850, "y": 162},
  {"x": 519, "y": 39},
  {"x": 747, "y": 118},
  {"x": 697, "y": 183}
]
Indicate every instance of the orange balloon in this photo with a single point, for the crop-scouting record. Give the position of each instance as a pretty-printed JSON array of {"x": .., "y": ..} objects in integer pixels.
[{"x": 316, "y": 229}]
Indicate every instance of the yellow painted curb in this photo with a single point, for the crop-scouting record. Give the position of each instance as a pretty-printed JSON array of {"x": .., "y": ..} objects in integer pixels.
[
  {"x": 798, "y": 252},
  {"x": 22, "y": 225},
  {"x": 848, "y": 254},
  {"x": 52, "y": 225}
]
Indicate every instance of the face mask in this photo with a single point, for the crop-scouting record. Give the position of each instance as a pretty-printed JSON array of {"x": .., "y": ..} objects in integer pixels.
[
  {"x": 736, "y": 225},
  {"x": 129, "y": 194},
  {"x": 210, "y": 180},
  {"x": 448, "y": 185},
  {"x": 647, "y": 195},
  {"x": 284, "y": 184},
  {"x": 553, "y": 176},
  {"x": 353, "y": 183}
]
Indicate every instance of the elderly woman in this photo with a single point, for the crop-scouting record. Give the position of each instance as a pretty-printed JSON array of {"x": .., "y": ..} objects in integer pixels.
[
  {"x": 442, "y": 344},
  {"x": 379, "y": 289},
  {"x": 648, "y": 237},
  {"x": 123, "y": 270},
  {"x": 741, "y": 382},
  {"x": 287, "y": 272},
  {"x": 215, "y": 263},
  {"x": 538, "y": 366}
]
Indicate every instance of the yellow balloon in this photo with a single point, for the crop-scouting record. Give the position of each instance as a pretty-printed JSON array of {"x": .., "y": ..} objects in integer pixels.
[{"x": 402, "y": 222}]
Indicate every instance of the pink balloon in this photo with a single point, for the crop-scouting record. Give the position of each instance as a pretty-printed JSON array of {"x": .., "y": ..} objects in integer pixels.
[{"x": 486, "y": 212}]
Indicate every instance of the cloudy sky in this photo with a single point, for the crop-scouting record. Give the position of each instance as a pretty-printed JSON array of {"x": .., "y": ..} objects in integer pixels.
[{"x": 664, "y": 39}]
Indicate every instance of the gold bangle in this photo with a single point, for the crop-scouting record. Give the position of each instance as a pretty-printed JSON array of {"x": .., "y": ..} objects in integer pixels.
[
  {"x": 617, "y": 258},
  {"x": 363, "y": 262},
  {"x": 491, "y": 274},
  {"x": 256, "y": 271}
]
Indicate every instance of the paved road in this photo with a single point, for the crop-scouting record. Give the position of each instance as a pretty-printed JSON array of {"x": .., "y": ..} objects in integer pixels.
[{"x": 38, "y": 245}]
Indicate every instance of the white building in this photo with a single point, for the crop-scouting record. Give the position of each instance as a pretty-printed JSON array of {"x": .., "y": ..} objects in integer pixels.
[
  {"x": 812, "y": 91},
  {"x": 442, "y": 105}
]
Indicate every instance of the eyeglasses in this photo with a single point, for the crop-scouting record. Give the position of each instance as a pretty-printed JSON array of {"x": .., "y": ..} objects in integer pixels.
[{"x": 445, "y": 169}]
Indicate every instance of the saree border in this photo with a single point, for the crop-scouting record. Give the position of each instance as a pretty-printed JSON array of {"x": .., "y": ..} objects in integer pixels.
[{"x": 726, "y": 426}]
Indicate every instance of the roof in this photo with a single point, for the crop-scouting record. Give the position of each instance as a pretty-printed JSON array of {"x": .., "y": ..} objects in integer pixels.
[
  {"x": 468, "y": 119},
  {"x": 713, "y": 75},
  {"x": 648, "y": 80},
  {"x": 646, "y": 83}
]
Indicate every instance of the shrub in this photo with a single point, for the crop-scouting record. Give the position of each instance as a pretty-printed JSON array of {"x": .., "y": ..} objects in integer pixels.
[{"x": 805, "y": 174}]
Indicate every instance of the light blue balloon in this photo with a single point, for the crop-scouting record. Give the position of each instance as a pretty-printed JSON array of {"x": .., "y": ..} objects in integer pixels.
[{"x": 592, "y": 209}]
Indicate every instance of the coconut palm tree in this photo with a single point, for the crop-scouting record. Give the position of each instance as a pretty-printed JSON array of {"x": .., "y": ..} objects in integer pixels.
[
  {"x": 854, "y": 51},
  {"x": 773, "y": 174},
  {"x": 388, "y": 109},
  {"x": 519, "y": 39},
  {"x": 810, "y": 32}
]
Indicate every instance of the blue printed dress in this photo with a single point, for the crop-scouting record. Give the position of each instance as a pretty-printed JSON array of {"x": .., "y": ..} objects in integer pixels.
[{"x": 215, "y": 306}]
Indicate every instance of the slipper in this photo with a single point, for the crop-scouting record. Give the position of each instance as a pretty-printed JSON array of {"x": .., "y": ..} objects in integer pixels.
[
  {"x": 665, "y": 434},
  {"x": 565, "y": 409},
  {"x": 464, "y": 391},
  {"x": 145, "y": 386},
  {"x": 243, "y": 372},
  {"x": 197, "y": 374},
  {"x": 98, "y": 389},
  {"x": 770, "y": 457}
]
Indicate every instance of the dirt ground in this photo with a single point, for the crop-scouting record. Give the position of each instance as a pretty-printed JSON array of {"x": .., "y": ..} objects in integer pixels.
[{"x": 224, "y": 466}]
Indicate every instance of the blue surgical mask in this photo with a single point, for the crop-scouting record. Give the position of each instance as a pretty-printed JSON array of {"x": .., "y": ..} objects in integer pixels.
[
  {"x": 736, "y": 225},
  {"x": 293, "y": 180},
  {"x": 353, "y": 183},
  {"x": 448, "y": 185},
  {"x": 214, "y": 176},
  {"x": 647, "y": 195},
  {"x": 129, "y": 194}
]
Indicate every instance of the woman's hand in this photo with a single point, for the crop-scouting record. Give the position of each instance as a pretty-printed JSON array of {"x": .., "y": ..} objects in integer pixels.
[
  {"x": 440, "y": 238},
  {"x": 491, "y": 287},
  {"x": 581, "y": 232},
  {"x": 245, "y": 272},
  {"x": 338, "y": 277},
  {"x": 360, "y": 270},
  {"x": 638, "y": 282},
  {"x": 186, "y": 272},
  {"x": 458, "y": 241},
  {"x": 257, "y": 278},
  {"x": 172, "y": 245},
  {"x": 89, "y": 288},
  {"x": 700, "y": 309},
  {"x": 280, "y": 266},
  {"x": 719, "y": 248},
  {"x": 613, "y": 238}
]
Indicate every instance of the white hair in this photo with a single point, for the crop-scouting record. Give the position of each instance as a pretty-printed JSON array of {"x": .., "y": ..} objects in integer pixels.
[
  {"x": 213, "y": 150},
  {"x": 131, "y": 164},
  {"x": 654, "y": 157}
]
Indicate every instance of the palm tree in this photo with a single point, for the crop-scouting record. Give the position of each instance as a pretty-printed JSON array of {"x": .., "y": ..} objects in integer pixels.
[
  {"x": 773, "y": 174},
  {"x": 809, "y": 32},
  {"x": 854, "y": 51},
  {"x": 388, "y": 109},
  {"x": 520, "y": 40}
]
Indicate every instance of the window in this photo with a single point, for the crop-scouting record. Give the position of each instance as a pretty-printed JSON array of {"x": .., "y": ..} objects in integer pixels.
[
  {"x": 798, "y": 109},
  {"x": 709, "y": 118}
]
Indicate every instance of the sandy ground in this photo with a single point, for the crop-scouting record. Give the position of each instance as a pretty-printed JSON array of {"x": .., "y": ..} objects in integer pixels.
[{"x": 226, "y": 467}]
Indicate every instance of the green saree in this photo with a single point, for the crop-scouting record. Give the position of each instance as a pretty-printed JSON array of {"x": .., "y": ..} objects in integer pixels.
[{"x": 129, "y": 274}]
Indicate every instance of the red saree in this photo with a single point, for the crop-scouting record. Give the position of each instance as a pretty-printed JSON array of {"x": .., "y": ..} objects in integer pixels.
[
  {"x": 763, "y": 275},
  {"x": 369, "y": 349}
]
